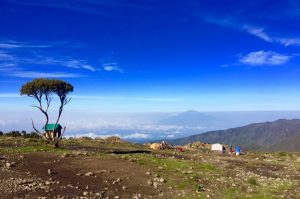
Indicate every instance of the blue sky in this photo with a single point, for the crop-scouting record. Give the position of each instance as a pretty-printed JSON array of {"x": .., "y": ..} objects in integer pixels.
[{"x": 154, "y": 55}]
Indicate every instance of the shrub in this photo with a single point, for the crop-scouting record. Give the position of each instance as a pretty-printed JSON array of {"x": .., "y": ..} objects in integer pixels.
[
  {"x": 252, "y": 181},
  {"x": 281, "y": 154},
  {"x": 13, "y": 134}
]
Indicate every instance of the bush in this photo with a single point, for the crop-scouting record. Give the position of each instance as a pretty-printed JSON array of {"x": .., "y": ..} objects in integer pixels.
[
  {"x": 23, "y": 134},
  {"x": 282, "y": 154},
  {"x": 1, "y": 133},
  {"x": 33, "y": 135},
  {"x": 13, "y": 134},
  {"x": 252, "y": 181}
]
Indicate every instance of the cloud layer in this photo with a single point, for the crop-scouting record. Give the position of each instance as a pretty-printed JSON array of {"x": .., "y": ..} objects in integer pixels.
[
  {"x": 264, "y": 58},
  {"x": 18, "y": 58}
]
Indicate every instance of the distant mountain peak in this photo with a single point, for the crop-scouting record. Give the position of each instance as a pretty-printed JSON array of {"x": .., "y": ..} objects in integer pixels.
[{"x": 190, "y": 118}]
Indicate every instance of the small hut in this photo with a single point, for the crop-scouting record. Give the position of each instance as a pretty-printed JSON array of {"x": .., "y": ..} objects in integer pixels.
[{"x": 52, "y": 130}]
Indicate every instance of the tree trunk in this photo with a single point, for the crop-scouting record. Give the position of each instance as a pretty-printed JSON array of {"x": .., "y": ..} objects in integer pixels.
[{"x": 56, "y": 145}]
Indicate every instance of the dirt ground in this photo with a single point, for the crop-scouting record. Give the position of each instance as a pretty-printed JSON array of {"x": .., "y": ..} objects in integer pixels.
[
  {"x": 112, "y": 177},
  {"x": 93, "y": 169}
]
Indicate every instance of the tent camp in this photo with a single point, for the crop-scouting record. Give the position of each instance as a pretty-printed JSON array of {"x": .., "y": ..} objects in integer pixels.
[{"x": 217, "y": 147}]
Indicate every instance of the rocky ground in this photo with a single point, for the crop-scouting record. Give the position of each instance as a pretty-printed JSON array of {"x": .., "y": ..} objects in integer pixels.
[{"x": 84, "y": 168}]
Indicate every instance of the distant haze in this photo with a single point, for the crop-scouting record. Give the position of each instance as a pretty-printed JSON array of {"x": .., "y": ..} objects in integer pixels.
[{"x": 141, "y": 127}]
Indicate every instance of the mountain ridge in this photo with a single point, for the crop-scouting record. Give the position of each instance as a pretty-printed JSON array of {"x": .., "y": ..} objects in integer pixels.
[{"x": 279, "y": 135}]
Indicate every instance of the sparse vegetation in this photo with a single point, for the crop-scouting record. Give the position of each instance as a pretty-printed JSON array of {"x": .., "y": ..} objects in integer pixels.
[
  {"x": 190, "y": 174},
  {"x": 252, "y": 181}
]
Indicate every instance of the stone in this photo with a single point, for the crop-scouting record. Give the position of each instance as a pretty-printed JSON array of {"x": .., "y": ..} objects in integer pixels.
[
  {"x": 47, "y": 183},
  {"x": 9, "y": 165},
  {"x": 161, "y": 180},
  {"x": 148, "y": 173},
  {"x": 149, "y": 182},
  {"x": 65, "y": 155},
  {"x": 89, "y": 174},
  {"x": 50, "y": 172},
  {"x": 85, "y": 193}
]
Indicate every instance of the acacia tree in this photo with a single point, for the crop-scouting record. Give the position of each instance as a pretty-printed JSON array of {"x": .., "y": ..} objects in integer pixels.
[{"x": 43, "y": 90}]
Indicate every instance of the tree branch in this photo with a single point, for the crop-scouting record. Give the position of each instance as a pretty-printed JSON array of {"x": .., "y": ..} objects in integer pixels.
[{"x": 37, "y": 131}]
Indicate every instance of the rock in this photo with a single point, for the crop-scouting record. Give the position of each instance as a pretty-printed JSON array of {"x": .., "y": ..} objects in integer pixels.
[
  {"x": 149, "y": 182},
  {"x": 189, "y": 172},
  {"x": 124, "y": 188},
  {"x": 47, "y": 183},
  {"x": 50, "y": 172},
  {"x": 10, "y": 165},
  {"x": 137, "y": 196},
  {"x": 116, "y": 197},
  {"x": 200, "y": 188},
  {"x": 161, "y": 180},
  {"x": 89, "y": 174},
  {"x": 155, "y": 184},
  {"x": 85, "y": 193},
  {"x": 65, "y": 155},
  {"x": 116, "y": 181},
  {"x": 148, "y": 173}
]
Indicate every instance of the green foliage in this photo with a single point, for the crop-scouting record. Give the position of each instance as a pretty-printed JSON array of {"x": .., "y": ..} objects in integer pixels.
[
  {"x": 252, "y": 181},
  {"x": 13, "y": 134},
  {"x": 23, "y": 134},
  {"x": 282, "y": 154},
  {"x": 41, "y": 86}
]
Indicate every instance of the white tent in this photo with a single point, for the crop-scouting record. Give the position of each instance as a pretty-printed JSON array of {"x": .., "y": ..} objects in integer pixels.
[{"x": 217, "y": 147}]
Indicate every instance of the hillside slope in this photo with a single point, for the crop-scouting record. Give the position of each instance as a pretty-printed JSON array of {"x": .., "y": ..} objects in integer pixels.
[{"x": 280, "y": 135}]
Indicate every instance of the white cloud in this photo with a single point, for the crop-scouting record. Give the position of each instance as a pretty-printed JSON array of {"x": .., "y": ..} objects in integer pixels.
[
  {"x": 170, "y": 136},
  {"x": 33, "y": 74},
  {"x": 264, "y": 58},
  {"x": 4, "y": 56},
  {"x": 112, "y": 67},
  {"x": 10, "y": 44},
  {"x": 73, "y": 63},
  {"x": 10, "y": 59},
  {"x": 259, "y": 32},
  {"x": 236, "y": 24},
  {"x": 157, "y": 99},
  {"x": 68, "y": 62},
  {"x": 136, "y": 136},
  {"x": 290, "y": 41}
]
